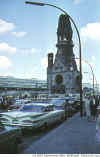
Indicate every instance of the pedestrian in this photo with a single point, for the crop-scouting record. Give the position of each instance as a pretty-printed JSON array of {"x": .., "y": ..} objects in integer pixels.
[
  {"x": 93, "y": 108},
  {"x": 87, "y": 107},
  {"x": 97, "y": 100},
  {"x": 98, "y": 125},
  {"x": 97, "y": 104},
  {"x": 0, "y": 102},
  {"x": 66, "y": 109},
  {"x": 84, "y": 110}
]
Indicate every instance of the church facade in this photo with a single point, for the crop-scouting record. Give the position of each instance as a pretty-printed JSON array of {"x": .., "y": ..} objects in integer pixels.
[{"x": 62, "y": 73}]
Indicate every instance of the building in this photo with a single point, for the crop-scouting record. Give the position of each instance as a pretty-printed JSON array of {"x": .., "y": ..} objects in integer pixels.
[
  {"x": 12, "y": 85},
  {"x": 62, "y": 73}
]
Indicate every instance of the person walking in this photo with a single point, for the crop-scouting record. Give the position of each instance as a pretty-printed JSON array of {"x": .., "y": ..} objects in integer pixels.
[
  {"x": 66, "y": 109},
  {"x": 98, "y": 125},
  {"x": 93, "y": 108},
  {"x": 87, "y": 107},
  {"x": 84, "y": 110}
]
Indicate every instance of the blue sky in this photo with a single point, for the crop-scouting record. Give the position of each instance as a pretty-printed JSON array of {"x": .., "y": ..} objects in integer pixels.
[{"x": 28, "y": 34}]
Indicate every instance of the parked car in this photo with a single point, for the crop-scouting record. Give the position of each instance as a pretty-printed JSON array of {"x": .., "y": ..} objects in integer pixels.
[
  {"x": 19, "y": 103},
  {"x": 63, "y": 103},
  {"x": 59, "y": 103},
  {"x": 71, "y": 100},
  {"x": 32, "y": 116},
  {"x": 10, "y": 137}
]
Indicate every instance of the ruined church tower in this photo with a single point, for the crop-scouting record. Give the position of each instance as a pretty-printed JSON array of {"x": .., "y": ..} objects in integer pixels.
[{"x": 62, "y": 73}]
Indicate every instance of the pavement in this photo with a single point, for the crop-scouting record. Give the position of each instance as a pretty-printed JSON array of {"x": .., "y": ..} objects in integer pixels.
[{"x": 74, "y": 136}]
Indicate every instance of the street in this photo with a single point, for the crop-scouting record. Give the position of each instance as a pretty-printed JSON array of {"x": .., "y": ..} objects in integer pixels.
[
  {"x": 31, "y": 137},
  {"x": 75, "y": 136}
]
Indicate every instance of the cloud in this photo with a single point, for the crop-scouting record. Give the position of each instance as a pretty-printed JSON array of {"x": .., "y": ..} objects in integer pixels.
[
  {"x": 44, "y": 62},
  {"x": 93, "y": 58},
  {"x": 76, "y": 1},
  {"x": 51, "y": 50},
  {"x": 6, "y": 26},
  {"x": 19, "y": 34},
  {"x": 4, "y": 47},
  {"x": 91, "y": 31},
  {"x": 7, "y": 74},
  {"x": 28, "y": 51},
  {"x": 84, "y": 65},
  {"x": 87, "y": 65},
  {"x": 5, "y": 63},
  {"x": 9, "y": 27}
]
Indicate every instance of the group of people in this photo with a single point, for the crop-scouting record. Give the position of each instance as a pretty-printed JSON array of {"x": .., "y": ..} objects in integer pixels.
[
  {"x": 91, "y": 104},
  {"x": 5, "y": 102}
]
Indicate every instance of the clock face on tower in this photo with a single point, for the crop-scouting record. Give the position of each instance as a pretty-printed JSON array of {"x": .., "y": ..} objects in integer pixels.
[{"x": 59, "y": 79}]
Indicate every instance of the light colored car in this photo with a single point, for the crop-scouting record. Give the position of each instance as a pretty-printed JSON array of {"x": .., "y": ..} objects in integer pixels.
[
  {"x": 18, "y": 103},
  {"x": 59, "y": 103},
  {"x": 32, "y": 116},
  {"x": 71, "y": 100},
  {"x": 63, "y": 103}
]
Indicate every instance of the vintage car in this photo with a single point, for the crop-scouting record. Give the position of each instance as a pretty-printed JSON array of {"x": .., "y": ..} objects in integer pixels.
[
  {"x": 59, "y": 103},
  {"x": 71, "y": 100},
  {"x": 10, "y": 137},
  {"x": 32, "y": 116},
  {"x": 18, "y": 103},
  {"x": 63, "y": 103}
]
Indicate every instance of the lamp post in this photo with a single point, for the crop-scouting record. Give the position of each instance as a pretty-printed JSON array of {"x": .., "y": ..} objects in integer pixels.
[
  {"x": 92, "y": 80},
  {"x": 80, "y": 55},
  {"x": 92, "y": 73},
  {"x": 93, "y": 76}
]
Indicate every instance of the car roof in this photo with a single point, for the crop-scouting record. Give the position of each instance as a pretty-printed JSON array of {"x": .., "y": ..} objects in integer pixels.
[
  {"x": 60, "y": 98},
  {"x": 39, "y": 104}
]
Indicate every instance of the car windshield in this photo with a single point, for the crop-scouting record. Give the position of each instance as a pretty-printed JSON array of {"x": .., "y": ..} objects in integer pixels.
[
  {"x": 57, "y": 107},
  {"x": 57, "y": 101},
  {"x": 32, "y": 108}
]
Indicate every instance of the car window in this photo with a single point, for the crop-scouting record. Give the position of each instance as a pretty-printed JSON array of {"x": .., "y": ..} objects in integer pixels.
[
  {"x": 48, "y": 109},
  {"x": 53, "y": 101},
  {"x": 32, "y": 108},
  {"x": 57, "y": 107},
  {"x": 51, "y": 108},
  {"x": 58, "y": 101}
]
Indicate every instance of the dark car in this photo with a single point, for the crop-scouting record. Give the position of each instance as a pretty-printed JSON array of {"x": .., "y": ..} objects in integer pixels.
[{"x": 10, "y": 137}]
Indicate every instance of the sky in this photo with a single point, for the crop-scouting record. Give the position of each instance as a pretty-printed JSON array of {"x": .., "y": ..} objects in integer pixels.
[{"x": 28, "y": 34}]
